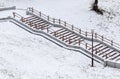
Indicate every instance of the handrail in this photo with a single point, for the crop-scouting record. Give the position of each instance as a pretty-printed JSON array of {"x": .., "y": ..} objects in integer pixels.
[
  {"x": 77, "y": 30},
  {"x": 48, "y": 30}
]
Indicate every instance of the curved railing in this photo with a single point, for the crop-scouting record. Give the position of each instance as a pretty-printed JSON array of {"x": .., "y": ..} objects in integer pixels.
[{"x": 77, "y": 30}]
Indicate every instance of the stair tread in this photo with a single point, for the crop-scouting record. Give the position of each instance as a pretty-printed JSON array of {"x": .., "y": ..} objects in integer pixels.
[
  {"x": 95, "y": 46},
  {"x": 108, "y": 53},
  {"x": 104, "y": 52},
  {"x": 114, "y": 57}
]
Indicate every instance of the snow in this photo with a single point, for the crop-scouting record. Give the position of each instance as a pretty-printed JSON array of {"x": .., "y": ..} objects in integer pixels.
[{"x": 27, "y": 56}]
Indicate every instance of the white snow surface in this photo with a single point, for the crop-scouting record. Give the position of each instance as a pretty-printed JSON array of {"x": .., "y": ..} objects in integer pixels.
[{"x": 27, "y": 56}]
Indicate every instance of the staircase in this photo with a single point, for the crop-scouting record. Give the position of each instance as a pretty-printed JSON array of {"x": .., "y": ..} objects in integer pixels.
[{"x": 104, "y": 50}]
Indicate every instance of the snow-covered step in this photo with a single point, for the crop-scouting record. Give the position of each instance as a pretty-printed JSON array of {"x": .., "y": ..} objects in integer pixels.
[
  {"x": 77, "y": 42},
  {"x": 108, "y": 53},
  {"x": 31, "y": 17},
  {"x": 67, "y": 40},
  {"x": 95, "y": 46},
  {"x": 62, "y": 34},
  {"x": 35, "y": 19},
  {"x": 71, "y": 36},
  {"x": 74, "y": 40},
  {"x": 99, "y": 49},
  {"x": 61, "y": 29},
  {"x": 117, "y": 59},
  {"x": 66, "y": 35},
  {"x": 103, "y": 48},
  {"x": 114, "y": 57},
  {"x": 104, "y": 51}
]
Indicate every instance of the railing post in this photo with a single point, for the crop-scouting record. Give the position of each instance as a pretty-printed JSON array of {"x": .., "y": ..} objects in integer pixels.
[
  {"x": 96, "y": 51},
  {"x": 86, "y": 33},
  {"x": 22, "y": 19},
  {"x": 102, "y": 37},
  {"x": 36, "y": 26},
  {"x": 69, "y": 40},
  {"x": 111, "y": 42},
  {"x": 32, "y": 9},
  {"x": 72, "y": 27},
  {"x": 79, "y": 41},
  {"x": 30, "y": 24},
  {"x": 53, "y": 20},
  {"x": 65, "y": 23},
  {"x": 86, "y": 45},
  {"x": 48, "y": 18},
  {"x": 95, "y": 35},
  {"x": 47, "y": 30},
  {"x": 40, "y": 14},
  {"x": 59, "y": 21},
  {"x": 63, "y": 38},
  {"x": 14, "y": 14},
  {"x": 106, "y": 55},
  {"x": 55, "y": 34},
  {"x": 80, "y": 31}
]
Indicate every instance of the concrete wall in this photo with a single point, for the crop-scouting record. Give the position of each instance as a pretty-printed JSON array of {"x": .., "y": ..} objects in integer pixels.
[
  {"x": 8, "y": 8},
  {"x": 112, "y": 64}
]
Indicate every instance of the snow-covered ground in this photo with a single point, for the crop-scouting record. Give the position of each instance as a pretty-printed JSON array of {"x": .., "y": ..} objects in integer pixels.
[{"x": 26, "y": 56}]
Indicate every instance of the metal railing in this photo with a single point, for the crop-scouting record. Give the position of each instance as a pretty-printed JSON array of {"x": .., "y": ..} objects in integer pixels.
[
  {"x": 22, "y": 19},
  {"x": 75, "y": 29}
]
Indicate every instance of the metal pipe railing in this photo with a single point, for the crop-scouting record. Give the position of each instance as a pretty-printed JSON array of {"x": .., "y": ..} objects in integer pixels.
[{"x": 77, "y": 30}]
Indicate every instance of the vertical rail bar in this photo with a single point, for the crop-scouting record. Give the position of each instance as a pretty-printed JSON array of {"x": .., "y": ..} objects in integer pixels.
[
  {"x": 40, "y": 14},
  {"x": 65, "y": 23},
  {"x": 47, "y": 30},
  {"x": 96, "y": 51},
  {"x": 95, "y": 35},
  {"x": 72, "y": 27},
  {"x": 55, "y": 34},
  {"x": 22, "y": 19},
  {"x": 30, "y": 24},
  {"x": 102, "y": 37},
  {"x": 53, "y": 20},
  {"x": 80, "y": 31},
  {"x": 59, "y": 21},
  {"x": 69, "y": 40},
  {"x": 106, "y": 55},
  {"x": 111, "y": 42},
  {"x": 32, "y": 9},
  {"x": 48, "y": 18},
  {"x": 79, "y": 41},
  {"x": 86, "y": 33},
  {"x": 63, "y": 38},
  {"x": 35, "y": 26},
  {"x": 86, "y": 45}
]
